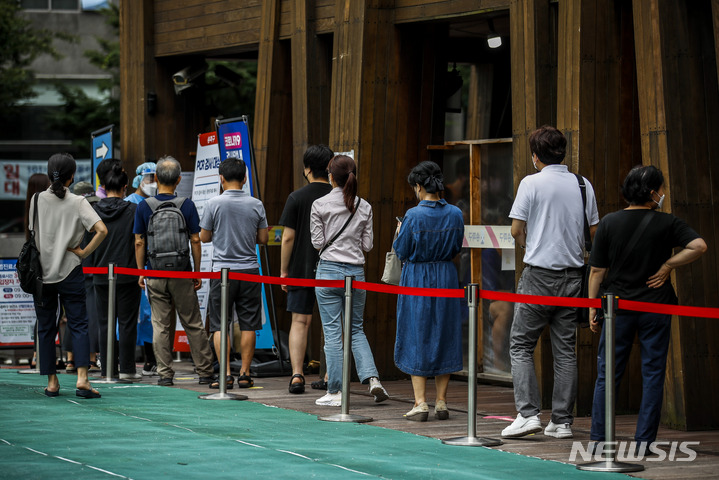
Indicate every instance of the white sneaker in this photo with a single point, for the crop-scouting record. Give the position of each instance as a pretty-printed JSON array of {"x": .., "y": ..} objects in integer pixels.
[
  {"x": 151, "y": 372},
  {"x": 523, "y": 426},
  {"x": 558, "y": 430},
  {"x": 376, "y": 389},
  {"x": 130, "y": 376},
  {"x": 330, "y": 400}
]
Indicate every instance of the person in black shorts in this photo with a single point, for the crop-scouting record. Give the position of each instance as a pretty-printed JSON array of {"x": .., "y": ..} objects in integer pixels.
[{"x": 299, "y": 257}]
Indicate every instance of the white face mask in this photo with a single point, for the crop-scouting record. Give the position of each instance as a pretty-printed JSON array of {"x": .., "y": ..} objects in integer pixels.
[
  {"x": 534, "y": 163},
  {"x": 660, "y": 202},
  {"x": 149, "y": 189}
]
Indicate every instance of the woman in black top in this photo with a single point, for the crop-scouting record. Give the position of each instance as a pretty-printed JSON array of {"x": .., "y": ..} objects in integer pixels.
[
  {"x": 118, "y": 248},
  {"x": 641, "y": 275}
]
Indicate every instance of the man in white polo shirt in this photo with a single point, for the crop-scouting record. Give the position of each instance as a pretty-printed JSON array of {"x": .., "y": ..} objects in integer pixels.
[{"x": 548, "y": 222}]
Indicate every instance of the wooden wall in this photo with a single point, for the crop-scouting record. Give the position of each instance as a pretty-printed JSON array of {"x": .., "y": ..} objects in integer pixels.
[
  {"x": 629, "y": 82},
  {"x": 676, "y": 56}
]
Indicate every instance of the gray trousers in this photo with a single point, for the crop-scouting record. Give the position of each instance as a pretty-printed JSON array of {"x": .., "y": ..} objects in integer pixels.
[
  {"x": 162, "y": 294},
  {"x": 529, "y": 322}
]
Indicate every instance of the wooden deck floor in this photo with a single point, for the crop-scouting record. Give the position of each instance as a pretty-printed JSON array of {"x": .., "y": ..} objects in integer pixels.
[{"x": 492, "y": 401}]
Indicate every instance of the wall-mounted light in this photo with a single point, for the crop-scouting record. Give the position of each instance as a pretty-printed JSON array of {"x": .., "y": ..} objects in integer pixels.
[{"x": 493, "y": 39}]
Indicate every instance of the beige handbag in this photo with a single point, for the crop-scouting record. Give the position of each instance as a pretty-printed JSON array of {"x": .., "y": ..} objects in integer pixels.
[{"x": 392, "y": 268}]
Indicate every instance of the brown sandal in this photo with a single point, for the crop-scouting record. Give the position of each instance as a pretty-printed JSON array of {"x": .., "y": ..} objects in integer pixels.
[{"x": 230, "y": 383}]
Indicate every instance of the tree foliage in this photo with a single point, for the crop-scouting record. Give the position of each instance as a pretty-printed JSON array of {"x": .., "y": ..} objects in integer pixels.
[
  {"x": 81, "y": 114},
  {"x": 20, "y": 44}
]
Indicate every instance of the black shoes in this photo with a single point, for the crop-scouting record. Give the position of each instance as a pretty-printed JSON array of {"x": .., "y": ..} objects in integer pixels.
[
  {"x": 298, "y": 387},
  {"x": 165, "y": 382}
]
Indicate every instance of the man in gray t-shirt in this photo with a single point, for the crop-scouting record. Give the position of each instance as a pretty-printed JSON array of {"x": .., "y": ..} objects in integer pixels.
[{"x": 235, "y": 223}]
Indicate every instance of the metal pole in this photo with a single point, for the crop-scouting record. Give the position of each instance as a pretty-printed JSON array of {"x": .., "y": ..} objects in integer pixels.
[
  {"x": 471, "y": 440},
  {"x": 109, "y": 360},
  {"x": 223, "y": 395},
  {"x": 345, "y": 415},
  {"x": 609, "y": 464}
]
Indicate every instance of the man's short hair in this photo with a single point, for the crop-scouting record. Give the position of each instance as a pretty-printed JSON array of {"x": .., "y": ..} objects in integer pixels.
[
  {"x": 168, "y": 171},
  {"x": 316, "y": 159},
  {"x": 549, "y": 144},
  {"x": 233, "y": 169}
]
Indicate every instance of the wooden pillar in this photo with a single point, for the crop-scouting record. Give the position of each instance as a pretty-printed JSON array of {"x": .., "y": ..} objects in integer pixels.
[
  {"x": 531, "y": 44},
  {"x": 136, "y": 74},
  {"x": 678, "y": 102},
  {"x": 309, "y": 95},
  {"x": 269, "y": 44},
  {"x": 479, "y": 110}
]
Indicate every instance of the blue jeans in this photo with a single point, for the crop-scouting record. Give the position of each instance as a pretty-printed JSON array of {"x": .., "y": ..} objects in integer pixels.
[
  {"x": 331, "y": 305},
  {"x": 70, "y": 294},
  {"x": 653, "y": 331}
]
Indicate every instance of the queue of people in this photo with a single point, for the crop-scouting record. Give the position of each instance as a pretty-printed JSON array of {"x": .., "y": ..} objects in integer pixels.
[{"x": 328, "y": 230}]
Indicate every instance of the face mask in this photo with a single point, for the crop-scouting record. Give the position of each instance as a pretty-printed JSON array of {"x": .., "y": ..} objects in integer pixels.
[
  {"x": 149, "y": 189},
  {"x": 534, "y": 163},
  {"x": 660, "y": 202}
]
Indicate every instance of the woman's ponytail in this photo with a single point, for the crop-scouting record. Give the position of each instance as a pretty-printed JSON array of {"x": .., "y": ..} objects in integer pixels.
[
  {"x": 60, "y": 168},
  {"x": 344, "y": 173}
]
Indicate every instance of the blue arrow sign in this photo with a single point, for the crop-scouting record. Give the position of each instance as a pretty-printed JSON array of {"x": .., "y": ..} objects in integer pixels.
[{"x": 101, "y": 149}]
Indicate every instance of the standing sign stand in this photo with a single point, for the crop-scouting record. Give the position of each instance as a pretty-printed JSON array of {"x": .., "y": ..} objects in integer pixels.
[
  {"x": 609, "y": 464},
  {"x": 345, "y": 415},
  {"x": 223, "y": 395},
  {"x": 471, "y": 440},
  {"x": 109, "y": 361},
  {"x": 235, "y": 142}
]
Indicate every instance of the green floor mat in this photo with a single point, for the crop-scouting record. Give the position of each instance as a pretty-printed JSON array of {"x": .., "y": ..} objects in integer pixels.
[{"x": 146, "y": 431}]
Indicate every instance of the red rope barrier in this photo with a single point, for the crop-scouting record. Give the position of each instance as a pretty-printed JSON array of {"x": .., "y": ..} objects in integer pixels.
[
  {"x": 661, "y": 308},
  {"x": 541, "y": 300}
]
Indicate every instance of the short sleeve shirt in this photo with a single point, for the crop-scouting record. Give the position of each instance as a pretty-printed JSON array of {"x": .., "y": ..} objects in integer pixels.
[
  {"x": 550, "y": 202},
  {"x": 296, "y": 215},
  {"x": 234, "y": 218},
  {"x": 144, "y": 212},
  {"x": 663, "y": 233},
  {"x": 61, "y": 224}
]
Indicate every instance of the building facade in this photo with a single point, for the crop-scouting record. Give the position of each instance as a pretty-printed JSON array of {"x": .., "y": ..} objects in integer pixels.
[{"x": 629, "y": 82}]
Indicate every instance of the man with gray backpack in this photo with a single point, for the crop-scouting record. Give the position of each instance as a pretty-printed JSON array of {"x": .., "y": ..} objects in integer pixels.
[{"x": 167, "y": 233}]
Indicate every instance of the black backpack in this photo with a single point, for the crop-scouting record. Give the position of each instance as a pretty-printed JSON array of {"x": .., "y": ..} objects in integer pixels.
[
  {"x": 168, "y": 239},
  {"x": 29, "y": 268}
]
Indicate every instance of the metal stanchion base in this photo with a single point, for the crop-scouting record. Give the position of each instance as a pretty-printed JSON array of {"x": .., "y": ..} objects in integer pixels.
[
  {"x": 472, "y": 441},
  {"x": 222, "y": 396},
  {"x": 611, "y": 466},
  {"x": 111, "y": 380},
  {"x": 344, "y": 417},
  {"x": 29, "y": 370}
]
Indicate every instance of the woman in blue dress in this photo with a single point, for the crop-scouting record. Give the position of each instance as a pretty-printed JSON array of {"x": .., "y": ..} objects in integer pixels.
[{"x": 429, "y": 329}]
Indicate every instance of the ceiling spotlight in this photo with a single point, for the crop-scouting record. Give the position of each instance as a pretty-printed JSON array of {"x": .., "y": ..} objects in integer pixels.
[{"x": 493, "y": 39}]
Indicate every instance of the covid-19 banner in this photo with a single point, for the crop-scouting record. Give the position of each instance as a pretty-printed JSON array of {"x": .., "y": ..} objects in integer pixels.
[
  {"x": 231, "y": 140},
  {"x": 14, "y": 175}
]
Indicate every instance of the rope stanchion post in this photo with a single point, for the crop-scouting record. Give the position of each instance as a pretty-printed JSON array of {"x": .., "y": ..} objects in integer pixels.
[
  {"x": 609, "y": 464},
  {"x": 109, "y": 360},
  {"x": 222, "y": 394},
  {"x": 345, "y": 416},
  {"x": 471, "y": 440}
]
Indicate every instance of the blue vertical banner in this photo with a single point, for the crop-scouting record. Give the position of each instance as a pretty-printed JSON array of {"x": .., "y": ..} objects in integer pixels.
[
  {"x": 101, "y": 148},
  {"x": 234, "y": 142}
]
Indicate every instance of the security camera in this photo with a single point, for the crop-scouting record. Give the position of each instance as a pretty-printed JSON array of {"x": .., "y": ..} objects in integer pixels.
[{"x": 183, "y": 79}]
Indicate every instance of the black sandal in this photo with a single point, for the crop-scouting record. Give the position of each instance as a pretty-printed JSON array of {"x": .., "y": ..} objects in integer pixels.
[
  {"x": 245, "y": 381},
  {"x": 298, "y": 387},
  {"x": 230, "y": 383},
  {"x": 319, "y": 385}
]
